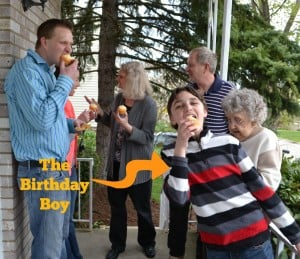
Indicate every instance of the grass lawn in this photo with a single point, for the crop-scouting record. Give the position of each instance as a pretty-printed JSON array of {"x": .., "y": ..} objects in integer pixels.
[
  {"x": 157, "y": 183},
  {"x": 156, "y": 188},
  {"x": 292, "y": 135}
]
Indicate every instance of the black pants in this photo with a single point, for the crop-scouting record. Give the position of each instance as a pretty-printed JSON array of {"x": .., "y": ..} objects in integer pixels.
[
  {"x": 140, "y": 195},
  {"x": 178, "y": 226}
]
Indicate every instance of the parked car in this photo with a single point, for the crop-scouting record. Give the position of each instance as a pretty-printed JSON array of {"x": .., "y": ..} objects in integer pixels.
[{"x": 163, "y": 138}]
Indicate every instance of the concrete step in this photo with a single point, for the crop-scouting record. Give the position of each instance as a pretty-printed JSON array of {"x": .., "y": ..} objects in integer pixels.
[{"x": 95, "y": 244}]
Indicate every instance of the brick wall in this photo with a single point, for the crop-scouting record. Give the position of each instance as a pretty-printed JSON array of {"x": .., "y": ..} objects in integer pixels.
[{"x": 17, "y": 34}]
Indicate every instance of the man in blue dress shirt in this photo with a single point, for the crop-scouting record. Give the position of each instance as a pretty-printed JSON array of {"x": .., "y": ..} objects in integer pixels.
[{"x": 40, "y": 130}]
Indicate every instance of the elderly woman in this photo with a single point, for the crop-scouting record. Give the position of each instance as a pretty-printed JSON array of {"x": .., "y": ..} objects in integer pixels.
[
  {"x": 132, "y": 137},
  {"x": 246, "y": 111}
]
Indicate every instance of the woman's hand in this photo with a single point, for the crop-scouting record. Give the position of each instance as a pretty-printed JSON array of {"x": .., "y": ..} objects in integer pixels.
[
  {"x": 94, "y": 106},
  {"x": 123, "y": 121},
  {"x": 86, "y": 116},
  {"x": 80, "y": 125}
]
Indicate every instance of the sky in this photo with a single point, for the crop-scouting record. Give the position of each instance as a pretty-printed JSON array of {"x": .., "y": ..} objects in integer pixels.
[{"x": 279, "y": 20}]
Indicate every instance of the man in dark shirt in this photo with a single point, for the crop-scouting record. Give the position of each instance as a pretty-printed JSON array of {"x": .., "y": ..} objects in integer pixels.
[{"x": 201, "y": 67}]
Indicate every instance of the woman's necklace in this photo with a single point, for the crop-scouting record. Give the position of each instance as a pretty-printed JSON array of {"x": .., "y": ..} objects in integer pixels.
[{"x": 129, "y": 102}]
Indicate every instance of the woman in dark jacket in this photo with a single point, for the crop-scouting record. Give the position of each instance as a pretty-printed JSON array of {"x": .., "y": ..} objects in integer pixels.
[{"x": 131, "y": 139}]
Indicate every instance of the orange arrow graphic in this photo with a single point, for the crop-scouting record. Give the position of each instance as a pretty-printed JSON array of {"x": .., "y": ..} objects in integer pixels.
[{"x": 156, "y": 165}]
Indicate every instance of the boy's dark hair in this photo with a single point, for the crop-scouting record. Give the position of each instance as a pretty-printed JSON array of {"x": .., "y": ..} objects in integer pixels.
[
  {"x": 178, "y": 90},
  {"x": 46, "y": 29}
]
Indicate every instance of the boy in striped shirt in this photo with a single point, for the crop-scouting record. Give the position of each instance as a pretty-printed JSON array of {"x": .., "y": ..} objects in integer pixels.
[{"x": 229, "y": 197}]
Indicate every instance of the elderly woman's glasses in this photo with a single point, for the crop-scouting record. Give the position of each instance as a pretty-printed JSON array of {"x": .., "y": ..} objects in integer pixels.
[{"x": 236, "y": 121}]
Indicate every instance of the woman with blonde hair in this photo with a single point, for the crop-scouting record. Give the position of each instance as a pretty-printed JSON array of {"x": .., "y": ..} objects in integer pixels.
[
  {"x": 132, "y": 135},
  {"x": 137, "y": 85}
]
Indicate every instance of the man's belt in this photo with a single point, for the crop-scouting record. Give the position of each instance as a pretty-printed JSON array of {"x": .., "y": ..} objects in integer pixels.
[
  {"x": 46, "y": 164},
  {"x": 31, "y": 163}
]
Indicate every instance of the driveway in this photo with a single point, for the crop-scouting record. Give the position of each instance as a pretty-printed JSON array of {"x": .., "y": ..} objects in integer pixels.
[{"x": 292, "y": 147}]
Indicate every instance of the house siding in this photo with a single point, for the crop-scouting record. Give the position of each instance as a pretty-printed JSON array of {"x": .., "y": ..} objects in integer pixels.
[
  {"x": 88, "y": 87},
  {"x": 17, "y": 34}
]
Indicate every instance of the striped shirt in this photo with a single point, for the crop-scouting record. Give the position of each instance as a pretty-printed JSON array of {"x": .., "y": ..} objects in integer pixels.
[
  {"x": 216, "y": 120},
  {"x": 227, "y": 194},
  {"x": 38, "y": 126}
]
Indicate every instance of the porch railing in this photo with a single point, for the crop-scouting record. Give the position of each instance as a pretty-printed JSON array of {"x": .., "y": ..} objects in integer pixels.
[{"x": 79, "y": 217}]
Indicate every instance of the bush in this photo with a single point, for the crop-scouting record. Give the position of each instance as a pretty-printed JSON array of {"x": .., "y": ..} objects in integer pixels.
[
  {"x": 87, "y": 149},
  {"x": 289, "y": 189}
]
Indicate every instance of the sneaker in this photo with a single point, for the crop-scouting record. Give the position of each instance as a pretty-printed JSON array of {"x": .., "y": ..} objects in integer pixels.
[{"x": 149, "y": 251}]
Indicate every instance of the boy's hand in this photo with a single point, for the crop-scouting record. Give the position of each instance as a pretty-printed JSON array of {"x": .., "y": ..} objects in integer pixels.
[
  {"x": 186, "y": 130},
  {"x": 298, "y": 248}
]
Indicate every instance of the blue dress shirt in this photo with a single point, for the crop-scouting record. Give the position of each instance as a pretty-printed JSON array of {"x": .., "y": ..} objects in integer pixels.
[{"x": 36, "y": 99}]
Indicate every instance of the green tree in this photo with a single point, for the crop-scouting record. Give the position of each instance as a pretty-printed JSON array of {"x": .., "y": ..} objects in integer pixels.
[
  {"x": 158, "y": 33},
  {"x": 271, "y": 10},
  {"x": 265, "y": 60}
]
